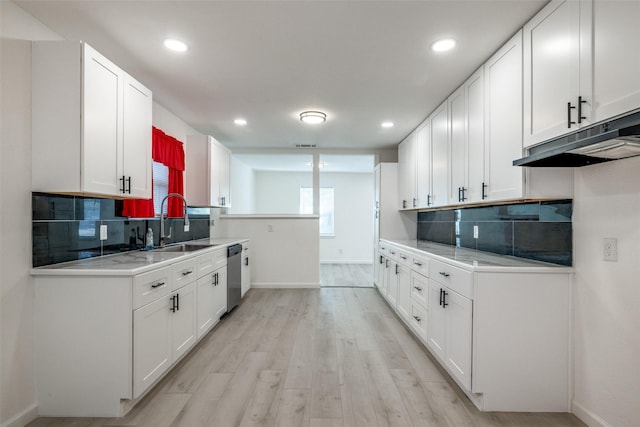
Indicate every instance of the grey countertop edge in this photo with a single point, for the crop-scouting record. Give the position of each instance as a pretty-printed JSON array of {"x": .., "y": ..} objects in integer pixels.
[
  {"x": 524, "y": 265},
  {"x": 75, "y": 268}
]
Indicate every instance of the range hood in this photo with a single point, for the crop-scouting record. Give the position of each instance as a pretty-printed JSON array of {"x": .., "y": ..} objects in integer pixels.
[{"x": 612, "y": 140}]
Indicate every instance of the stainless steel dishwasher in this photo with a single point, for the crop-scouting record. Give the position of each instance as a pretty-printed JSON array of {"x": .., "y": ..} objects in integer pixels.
[{"x": 234, "y": 276}]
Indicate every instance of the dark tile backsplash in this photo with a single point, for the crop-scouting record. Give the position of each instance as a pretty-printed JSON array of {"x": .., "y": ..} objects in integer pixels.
[
  {"x": 67, "y": 228},
  {"x": 538, "y": 230}
]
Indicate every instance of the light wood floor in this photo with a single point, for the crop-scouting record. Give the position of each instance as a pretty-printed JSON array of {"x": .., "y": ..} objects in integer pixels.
[
  {"x": 360, "y": 275},
  {"x": 310, "y": 357}
]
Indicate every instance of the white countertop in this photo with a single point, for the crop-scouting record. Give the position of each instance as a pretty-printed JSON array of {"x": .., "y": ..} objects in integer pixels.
[
  {"x": 129, "y": 263},
  {"x": 474, "y": 260}
]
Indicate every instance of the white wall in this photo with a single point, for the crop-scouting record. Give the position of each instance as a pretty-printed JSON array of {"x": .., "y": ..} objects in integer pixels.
[
  {"x": 279, "y": 192},
  {"x": 284, "y": 251},
  {"x": 170, "y": 124},
  {"x": 353, "y": 221},
  {"x": 607, "y": 294},
  {"x": 17, "y": 388},
  {"x": 243, "y": 182}
]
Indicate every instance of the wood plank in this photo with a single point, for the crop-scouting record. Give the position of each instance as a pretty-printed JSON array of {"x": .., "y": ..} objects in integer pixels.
[
  {"x": 414, "y": 399},
  {"x": 325, "y": 389},
  {"x": 299, "y": 371},
  {"x": 203, "y": 402},
  {"x": 263, "y": 405},
  {"x": 160, "y": 411},
  {"x": 293, "y": 410},
  {"x": 357, "y": 405},
  {"x": 325, "y": 422}
]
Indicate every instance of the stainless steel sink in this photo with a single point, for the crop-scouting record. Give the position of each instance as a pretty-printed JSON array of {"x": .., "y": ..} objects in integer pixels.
[{"x": 185, "y": 247}]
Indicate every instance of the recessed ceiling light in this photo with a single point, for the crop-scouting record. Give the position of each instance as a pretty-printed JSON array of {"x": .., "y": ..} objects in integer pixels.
[
  {"x": 313, "y": 117},
  {"x": 443, "y": 45},
  {"x": 387, "y": 124},
  {"x": 240, "y": 122},
  {"x": 176, "y": 45}
]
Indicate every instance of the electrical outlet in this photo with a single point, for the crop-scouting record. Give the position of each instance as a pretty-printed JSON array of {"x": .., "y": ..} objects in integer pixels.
[
  {"x": 475, "y": 231},
  {"x": 270, "y": 228},
  {"x": 186, "y": 228},
  {"x": 103, "y": 232},
  {"x": 610, "y": 249}
]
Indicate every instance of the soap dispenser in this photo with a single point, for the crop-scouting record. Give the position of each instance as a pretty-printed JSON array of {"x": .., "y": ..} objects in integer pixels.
[{"x": 149, "y": 242}]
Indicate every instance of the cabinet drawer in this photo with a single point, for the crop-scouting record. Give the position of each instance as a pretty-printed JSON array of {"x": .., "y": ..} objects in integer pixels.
[
  {"x": 383, "y": 248},
  {"x": 420, "y": 289},
  {"x": 211, "y": 261},
  {"x": 245, "y": 249},
  {"x": 420, "y": 265},
  {"x": 392, "y": 253},
  {"x": 148, "y": 287},
  {"x": 454, "y": 278},
  {"x": 184, "y": 272},
  {"x": 418, "y": 320},
  {"x": 404, "y": 258}
]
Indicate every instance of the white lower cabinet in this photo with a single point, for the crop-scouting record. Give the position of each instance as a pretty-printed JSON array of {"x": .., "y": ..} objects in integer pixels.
[
  {"x": 220, "y": 293},
  {"x": 245, "y": 283},
  {"x": 502, "y": 333}
]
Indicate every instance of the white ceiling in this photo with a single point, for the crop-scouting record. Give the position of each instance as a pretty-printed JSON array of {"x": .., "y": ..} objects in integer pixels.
[{"x": 361, "y": 62}]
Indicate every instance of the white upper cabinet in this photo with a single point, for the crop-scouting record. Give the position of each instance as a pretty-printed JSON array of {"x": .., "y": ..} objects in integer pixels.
[
  {"x": 440, "y": 155},
  {"x": 579, "y": 66},
  {"x": 503, "y": 122},
  {"x": 91, "y": 124},
  {"x": 407, "y": 172},
  {"x": 551, "y": 72},
  {"x": 423, "y": 164},
  {"x": 609, "y": 61},
  {"x": 466, "y": 141},
  {"x": 207, "y": 172}
]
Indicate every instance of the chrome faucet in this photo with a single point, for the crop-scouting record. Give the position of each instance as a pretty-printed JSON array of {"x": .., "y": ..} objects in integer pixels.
[{"x": 162, "y": 217}]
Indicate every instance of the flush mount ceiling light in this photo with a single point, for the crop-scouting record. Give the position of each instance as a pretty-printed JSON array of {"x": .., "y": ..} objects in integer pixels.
[
  {"x": 176, "y": 45},
  {"x": 240, "y": 122},
  {"x": 387, "y": 124},
  {"x": 443, "y": 45},
  {"x": 313, "y": 117}
]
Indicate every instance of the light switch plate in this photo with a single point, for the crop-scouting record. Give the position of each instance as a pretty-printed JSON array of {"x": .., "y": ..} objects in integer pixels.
[{"x": 103, "y": 232}]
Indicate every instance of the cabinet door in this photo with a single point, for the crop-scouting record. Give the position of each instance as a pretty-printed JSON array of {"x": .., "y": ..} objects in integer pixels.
[
  {"x": 458, "y": 336},
  {"x": 404, "y": 291},
  {"x": 503, "y": 121},
  {"x": 407, "y": 172},
  {"x": 151, "y": 343},
  {"x": 437, "y": 323},
  {"x": 385, "y": 277},
  {"x": 475, "y": 137},
  {"x": 392, "y": 290},
  {"x": 246, "y": 274},
  {"x": 220, "y": 294},
  {"x": 440, "y": 156},
  {"x": 551, "y": 71},
  {"x": 423, "y": 164},
  {"x": 102, "y": 130},
  {"x": 457, "y": 145},
  {"x": 183, "y": 321},
  {"x": 136, "y": 154},
  {"x": 205, "y": 311},
  {"x": 609, "y": 59},
  {"x": 224, "y": 169},
  {"x": 215, "y": 198}
]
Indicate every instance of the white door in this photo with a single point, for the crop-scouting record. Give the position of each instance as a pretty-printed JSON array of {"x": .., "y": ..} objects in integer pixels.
[
  {"x": 503, "y": 122},
  {"x": 151, "y": 343},
  {"x": 205, "y": 309},
  {"x": 136, "y": 154},
  {"x": 437, "y": 323},
  {"x": 423, "y": 164},
  {"x": 609, "y": 58},
  {"x": 458, "y": 336},
  {"x": 458, "y": 146},
  {"x": 220, "y": 293},
  {"x": 440, "y": 156},
  {"x": 183, "y": 321},
  {"x": 404, "y": 291},
  {"x": 407, "y": 172},
  {"x": 551, "y": 71},
  {"x": 475, "y": 137},
  {"x": 102, "y": 130}
]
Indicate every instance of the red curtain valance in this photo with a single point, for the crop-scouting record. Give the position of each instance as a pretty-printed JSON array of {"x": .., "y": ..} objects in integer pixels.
[{"x": 170, "y": 152}]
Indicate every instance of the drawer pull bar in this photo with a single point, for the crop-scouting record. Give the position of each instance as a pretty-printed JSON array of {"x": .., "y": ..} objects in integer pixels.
[
  {"x": 419, "y": 264},
  {"x": 188, "y": 272},
  {"x": 157, "y": 285},
  {"x": 442, "y": 273},
  {"x": 417, "y": 288},
  {"x": 418, "y": 319},
  {"x": 403, "y": 257}
]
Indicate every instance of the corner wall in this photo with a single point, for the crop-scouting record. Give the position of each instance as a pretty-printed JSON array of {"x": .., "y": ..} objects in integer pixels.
[{"x": 607, "y": 294}]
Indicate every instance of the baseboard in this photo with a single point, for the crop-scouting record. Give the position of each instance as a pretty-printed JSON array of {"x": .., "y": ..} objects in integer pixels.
[
  {"x": 295, "y": 285},
  {"x": 342, "y": 261},
  {"x": 587, "y": 416},
  {"x": 23, "y": 418}
]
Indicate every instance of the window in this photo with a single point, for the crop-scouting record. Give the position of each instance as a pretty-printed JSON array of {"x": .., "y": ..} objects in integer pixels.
[
  {"x": 160, "y": 185},
  {"x": 326, "y": 208}
]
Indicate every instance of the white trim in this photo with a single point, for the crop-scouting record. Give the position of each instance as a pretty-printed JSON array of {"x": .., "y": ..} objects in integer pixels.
[
  {"x": 347, "y": 261},
  {"x": 293, "y": 285},
  {"x": 23, "y": 418},
  {"x": 587, "y": 416}
]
